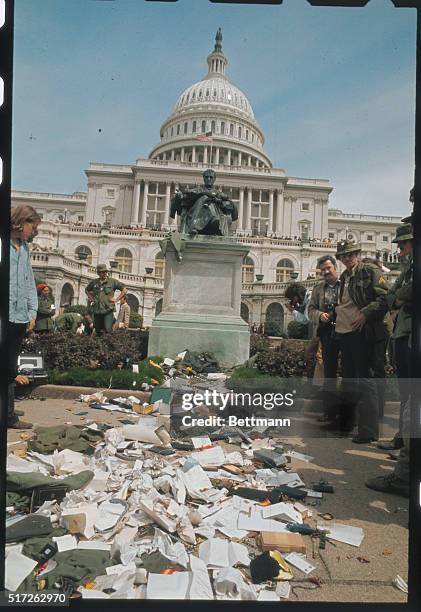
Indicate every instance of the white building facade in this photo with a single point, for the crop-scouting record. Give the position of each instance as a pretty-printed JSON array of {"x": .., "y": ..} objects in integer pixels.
[{"x": 285, "y": 221}]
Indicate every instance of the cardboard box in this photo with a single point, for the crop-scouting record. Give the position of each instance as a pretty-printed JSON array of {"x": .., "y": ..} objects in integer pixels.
[{"x": 283, "y": 541}]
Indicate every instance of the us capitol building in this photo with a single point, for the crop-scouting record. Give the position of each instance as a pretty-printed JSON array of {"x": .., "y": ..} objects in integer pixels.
[{"x": 285, "y": 221}]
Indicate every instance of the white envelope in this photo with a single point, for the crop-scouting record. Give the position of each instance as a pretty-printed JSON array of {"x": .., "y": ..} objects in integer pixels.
[
  {"x": 17, "y": 568},
  {"x": 200, "y": 587},
  {"x": 168, "y": 586}
]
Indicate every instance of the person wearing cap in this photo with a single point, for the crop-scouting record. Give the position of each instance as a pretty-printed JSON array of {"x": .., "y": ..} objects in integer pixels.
[
  {"x": 399, "y": 297},
  {"x": 101, "y": 299},
  {"x": 46, "y": 309},
  {"x": 359, "y": 325}
]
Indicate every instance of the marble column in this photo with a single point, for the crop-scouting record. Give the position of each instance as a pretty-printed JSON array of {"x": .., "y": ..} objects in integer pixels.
[
  {"x": 249, "y": 160},
  {"x": 279, "y": 212},
  {"x": 248, "y": 209},
  {"x": 182, "y": 154},
  {"x": 239, "y": 158},
  {"x": 205, "y": 155},
  {"x": 229, "y": 158},
  {"x": 241, "y": 209},
  {"x": 145, "y": 202},
  {"x": 217, "y": 156},
  {"x": 136, "y": 203},
  {"x": 270, "y": 226},
  {"x": 193, "y": 155},
  {"x": 172, "y": 155},
  {"x": 167, "y": 203}
]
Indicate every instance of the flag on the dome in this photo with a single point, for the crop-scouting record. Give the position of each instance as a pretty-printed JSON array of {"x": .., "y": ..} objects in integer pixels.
[{"x": 206, "y": 137}]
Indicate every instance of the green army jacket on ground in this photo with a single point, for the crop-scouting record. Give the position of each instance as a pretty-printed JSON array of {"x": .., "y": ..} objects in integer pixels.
[
  {"x": 365, "y": 285},
  {"x": 68, "y": 321},
  {"x": 45, "y": 313},
  {"x": 104, "y": 292},
  {"x": 401, "y": 290}
]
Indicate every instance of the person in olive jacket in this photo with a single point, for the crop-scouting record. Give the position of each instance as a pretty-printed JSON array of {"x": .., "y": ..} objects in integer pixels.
[
  {"x": 101, "y": 299},
  {"x": 46, "y": 309},
  {"x": 359, "y": 325}
]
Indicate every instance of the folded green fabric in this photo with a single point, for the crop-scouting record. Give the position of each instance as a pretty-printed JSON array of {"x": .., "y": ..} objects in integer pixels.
[
  {"x": 32, "y": 547},
  {"x": 75, "y": 437},
  {"x": 27, "y": 482},
  {"x": 79, "y": 566}
]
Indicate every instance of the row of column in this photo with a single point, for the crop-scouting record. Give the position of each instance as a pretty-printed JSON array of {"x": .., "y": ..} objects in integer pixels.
[
  {"x": 242, "y": 199},
  {"x": 277, "y": 227},
  {"x": 136, "y": 203},
  {"x": 216, "y": 156}
]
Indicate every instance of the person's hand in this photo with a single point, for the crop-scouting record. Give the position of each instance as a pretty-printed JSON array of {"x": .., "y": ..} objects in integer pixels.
[
  {"x": 22, "y": 380},
  {"x": 359, "y": 322},
  {"x": 324, "y": 317},
  {"x": 290, "y": 308},
  {"x": 31, "y": 326}
]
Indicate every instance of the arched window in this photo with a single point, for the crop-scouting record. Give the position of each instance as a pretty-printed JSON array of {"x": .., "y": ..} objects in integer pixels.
[
  {"x": 84, "y": 253},
  {"x": 178, "y": 129},
  {"x": 283, "y": 270},
  {"x": 124, "y": 259},
  {"x": 240, "y": 132},
  {"x": 194, "y": 127},
  {"x": 203, "y": 127},
  {"x": 159, "y": 265},
  {"x": 274, "y": 320},
  {"x": 222, "y": 127},
  {"x": 231, "y": 129},
  {"x": 67, "y": 295},
  {"x": 213, "y": 127},
  {"x": 133, "y": 302},
  {"x": 244, "y": 312},
  {"x": 185, "y": 127},
  {"x": 158, "y": 307},
  {"x": 247, "y": 270}
]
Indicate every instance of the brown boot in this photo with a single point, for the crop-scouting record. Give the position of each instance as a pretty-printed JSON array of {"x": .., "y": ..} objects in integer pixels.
[{"x": 20, "y": 425}]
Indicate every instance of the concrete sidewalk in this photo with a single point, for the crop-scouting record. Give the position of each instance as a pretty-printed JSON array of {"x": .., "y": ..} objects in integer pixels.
[{"x": 348, "y": 574}]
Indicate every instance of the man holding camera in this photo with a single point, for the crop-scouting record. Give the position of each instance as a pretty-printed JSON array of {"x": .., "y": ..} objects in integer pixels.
[{"x": 322, "y": 313}]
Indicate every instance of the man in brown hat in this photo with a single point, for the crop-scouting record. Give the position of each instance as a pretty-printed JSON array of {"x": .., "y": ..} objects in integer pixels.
[
  {"x": 100, "y": 294},
  {"x": 359, "y": 325}
]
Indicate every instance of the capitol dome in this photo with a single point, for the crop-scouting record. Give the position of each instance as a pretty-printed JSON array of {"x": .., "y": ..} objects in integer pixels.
[
  {"x": 215, "y": 111},
  {"x": 216, "y": 90}
]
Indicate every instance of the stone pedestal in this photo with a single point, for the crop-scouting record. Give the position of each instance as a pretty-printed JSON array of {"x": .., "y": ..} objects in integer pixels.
[{"x": 201, "y": 303}]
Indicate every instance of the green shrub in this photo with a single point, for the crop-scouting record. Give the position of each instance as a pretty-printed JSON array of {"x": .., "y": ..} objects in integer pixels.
[
  {"x": 284, "y": 361},
  {"x": 106, "y": 379},
  {"x": 63, "y": 350},
  {"x": 79, "y": 308},
  {"x": 274, "y": 329},
  {"x": 136, "y": 321},
  {"x": 258, "y": 343},
  {"x": 297, "y": 330}
]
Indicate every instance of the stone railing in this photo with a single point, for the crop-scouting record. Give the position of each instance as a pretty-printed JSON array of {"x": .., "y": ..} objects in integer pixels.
[
  {"x": 272, "y": 288},
  {"x": 49, "y": 196},
  {"x": 361, "y": 217},
  {"x": 167, "y": 163}
]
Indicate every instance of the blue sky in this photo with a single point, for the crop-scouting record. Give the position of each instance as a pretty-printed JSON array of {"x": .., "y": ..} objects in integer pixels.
[{"x": 332, "y": 88}]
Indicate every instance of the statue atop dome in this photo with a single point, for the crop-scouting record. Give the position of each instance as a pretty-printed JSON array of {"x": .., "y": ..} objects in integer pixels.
[
  {"x": 204, "y": 210},
  {"x": 218, "y": 41}
]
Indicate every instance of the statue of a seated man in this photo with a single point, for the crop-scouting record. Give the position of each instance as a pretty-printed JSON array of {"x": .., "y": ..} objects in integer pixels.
[{"x": 204, "y": 210}]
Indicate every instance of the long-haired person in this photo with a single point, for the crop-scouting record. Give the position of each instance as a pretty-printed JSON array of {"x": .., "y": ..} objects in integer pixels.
[{"x": 23, "y": 300}]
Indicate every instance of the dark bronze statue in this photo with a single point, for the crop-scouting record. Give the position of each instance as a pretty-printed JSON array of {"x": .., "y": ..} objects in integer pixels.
[{"x": 204, "y": 210}]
